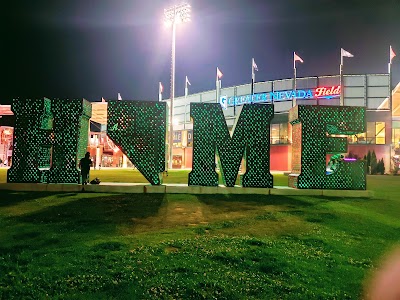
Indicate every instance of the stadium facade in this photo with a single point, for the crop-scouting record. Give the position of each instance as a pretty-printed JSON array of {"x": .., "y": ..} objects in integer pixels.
[{"x": 371, "y": 91}]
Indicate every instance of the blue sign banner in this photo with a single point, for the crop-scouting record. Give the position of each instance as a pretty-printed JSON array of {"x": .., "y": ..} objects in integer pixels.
[{"x": 324, "y": 93}]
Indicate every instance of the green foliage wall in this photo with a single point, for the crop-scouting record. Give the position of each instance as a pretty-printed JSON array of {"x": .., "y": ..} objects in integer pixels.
[
  {"x": 312, "y": 126},
  {"x": 71, "y": 130},
  {"x": 49, "y": 137},
  {"x": 27, "y": 136},
  {"x": 138, "y": 128},
  {"x": 250, "y": 141}
]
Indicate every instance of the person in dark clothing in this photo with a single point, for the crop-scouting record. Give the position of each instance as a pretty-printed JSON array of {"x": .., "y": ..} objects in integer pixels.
[{"x": 85, "y": 164}]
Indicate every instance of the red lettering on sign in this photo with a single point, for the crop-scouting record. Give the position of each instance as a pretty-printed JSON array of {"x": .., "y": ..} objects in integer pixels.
[{"x": 327, "y": 91}]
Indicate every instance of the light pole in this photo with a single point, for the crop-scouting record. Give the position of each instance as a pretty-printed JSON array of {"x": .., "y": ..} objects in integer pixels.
[{"x": 173, "y": 16}]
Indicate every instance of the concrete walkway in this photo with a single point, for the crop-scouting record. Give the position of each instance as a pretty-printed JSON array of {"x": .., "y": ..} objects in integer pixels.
[{"x": 139, "y": 188}]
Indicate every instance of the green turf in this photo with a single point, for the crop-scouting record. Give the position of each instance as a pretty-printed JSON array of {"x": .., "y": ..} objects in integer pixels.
[
  {"x": 130, "y": 175},
  {"x": 142, "y": 246}
]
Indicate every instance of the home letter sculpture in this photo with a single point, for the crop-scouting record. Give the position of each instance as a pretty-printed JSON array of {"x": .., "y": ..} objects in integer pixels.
[
  {"x": 250, "y": 140},
  {"x": 312, "y": 127},
  {"x": 49, "y": 137},
  {"x": 138, "y": 128}
]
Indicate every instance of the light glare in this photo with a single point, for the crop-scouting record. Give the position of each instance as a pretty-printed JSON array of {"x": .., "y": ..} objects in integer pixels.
[{"x": 178, "y": 13}]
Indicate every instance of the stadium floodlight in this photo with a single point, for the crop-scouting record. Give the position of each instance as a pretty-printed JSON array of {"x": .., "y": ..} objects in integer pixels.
[
  {"x": 173, "y": 16},
  {"x": 177, "y": 14}
]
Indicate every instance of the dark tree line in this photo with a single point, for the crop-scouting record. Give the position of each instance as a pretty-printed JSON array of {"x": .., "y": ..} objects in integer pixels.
[{"x": 373, "y": 165}]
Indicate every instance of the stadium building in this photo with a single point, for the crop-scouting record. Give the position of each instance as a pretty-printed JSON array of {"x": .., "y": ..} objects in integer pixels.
[{"x": 372, "y": 91}]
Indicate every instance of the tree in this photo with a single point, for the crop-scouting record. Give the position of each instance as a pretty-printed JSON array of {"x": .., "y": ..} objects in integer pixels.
[
  {"x": 373, "y": 163},
  {"x": 369, "y": 158},
  {"x": 396, "y": 164},
  {"x": 382, "y": 167}
]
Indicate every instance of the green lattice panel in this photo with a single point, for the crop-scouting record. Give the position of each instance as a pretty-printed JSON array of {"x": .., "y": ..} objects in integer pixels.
[
  {"x": 84, "y": 127},
  {"x": 71, "y": 130},
  {"x": 46, "y": 142},
  {"x": 250, "y": 141},
  {"x": 28, "y": 134},
  {"x": 138, "y": 128},
  {"x": 312, "y": 127}
]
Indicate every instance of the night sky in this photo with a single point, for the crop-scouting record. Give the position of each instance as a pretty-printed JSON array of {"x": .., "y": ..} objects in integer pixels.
[{"x": 93, "y": 49}]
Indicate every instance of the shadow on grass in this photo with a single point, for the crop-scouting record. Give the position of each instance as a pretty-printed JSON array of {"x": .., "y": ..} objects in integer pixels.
[
  {"x": 11, "y": 197},
  {"x": 228, "y": 201},
  {"x": 91, "y": 212},
  {"x": 79, "y": 219}
]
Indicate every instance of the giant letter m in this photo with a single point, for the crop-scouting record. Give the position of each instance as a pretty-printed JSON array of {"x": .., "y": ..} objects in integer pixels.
[{"x": 249, "y": 141}]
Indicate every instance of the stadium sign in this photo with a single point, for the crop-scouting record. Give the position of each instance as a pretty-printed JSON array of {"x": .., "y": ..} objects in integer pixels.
[{"x": 317, "y": 93}]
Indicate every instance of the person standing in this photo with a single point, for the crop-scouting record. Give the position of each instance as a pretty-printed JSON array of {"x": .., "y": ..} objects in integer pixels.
[{"x": 84, "y": 164}]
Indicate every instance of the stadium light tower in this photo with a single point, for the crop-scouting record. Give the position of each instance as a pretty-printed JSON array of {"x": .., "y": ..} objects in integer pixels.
[{"x": 173, "y": 16}]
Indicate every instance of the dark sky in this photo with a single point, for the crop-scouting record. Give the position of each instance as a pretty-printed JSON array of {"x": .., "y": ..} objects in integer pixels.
[{"x": 97, "y": 48}]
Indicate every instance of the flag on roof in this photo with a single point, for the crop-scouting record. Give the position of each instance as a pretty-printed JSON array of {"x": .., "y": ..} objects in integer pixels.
[
  {"x": 392, "y": 54},
  {"x": 296, "y": 57},
  {"x": 345, "y": 53},
  {"x": 254, "y": 65},
  {"x": 219, "y": 73}
]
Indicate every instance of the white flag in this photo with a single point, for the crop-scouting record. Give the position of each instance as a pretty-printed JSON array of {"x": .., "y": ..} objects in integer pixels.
[
  {"x": 219, "y": 74},
  {"x": 345, "y": 53},
  {"x": 392, "y": 54},
  {"x": 187, "y": 81},
  {"x": 296, "y": 57},
  {"x": 254, "y": 65},
  {"x": 160, "y": 88},
  {"x": 119, "y": 96}
]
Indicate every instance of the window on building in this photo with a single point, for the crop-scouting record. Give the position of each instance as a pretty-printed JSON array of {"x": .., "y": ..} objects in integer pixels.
[
  {"x": 396, "y": 140},
  {"x": 380, "y": 133},
  {"x": 279, "y": 133},
  {"x": 375, "y": 135}
]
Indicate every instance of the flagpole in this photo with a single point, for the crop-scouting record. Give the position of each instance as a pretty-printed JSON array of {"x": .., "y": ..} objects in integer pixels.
[
  {"x": 186, "y": 88},
  {"x": 186, "y": 94},
  {"x": 234, "y": 100},
  {"x": 390, "y": 85},
  {"x": 295, "y": 57},
  {"x": 341, "y": 102},
  {"x": 390, "y": 106},
  {"x": 294, "y": 86},
  {"x": 294, "y": 80},
  {"x": 217, "y": 87},
  {"x": 253, "y": 75},
  {"x": 390, "y": 100},
  {"x": 341, "y": 57},
  {"x": 159, "y": 92}
]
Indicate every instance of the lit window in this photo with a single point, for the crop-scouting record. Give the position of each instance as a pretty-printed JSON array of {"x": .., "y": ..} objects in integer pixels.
[
  {"x": 375, "y": 134},
  {"x": 279, "y": 133},
  {"x": 380, "y": 133}
]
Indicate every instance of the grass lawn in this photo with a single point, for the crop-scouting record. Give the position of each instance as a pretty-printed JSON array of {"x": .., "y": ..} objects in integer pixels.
[
  {"x": 130, "y": 175},
  {"x": 148, "y": 246}
]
